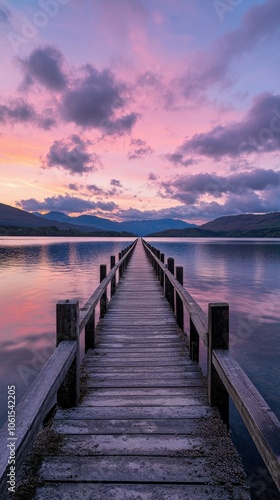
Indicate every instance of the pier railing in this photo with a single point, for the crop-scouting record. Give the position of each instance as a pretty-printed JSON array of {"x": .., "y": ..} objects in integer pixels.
[
  {"x": 225, "y": 377},
  {"x": 59, "y": 379}
]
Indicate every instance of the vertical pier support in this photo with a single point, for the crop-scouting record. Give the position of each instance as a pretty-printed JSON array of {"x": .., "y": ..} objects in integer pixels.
[
  {"x": 179, "y": 303},
  {"x": 113, "y": 281},
  {"x": 194, "y": 343},
  {"x": 169, "y": 289},
  {"x": 218, "y": 317},
  {"x": 120, "y": 268},
  {"x": 67, "y": 328},
  {"x": 161, "y": 271},
  {"x": 104, "y": 299}
]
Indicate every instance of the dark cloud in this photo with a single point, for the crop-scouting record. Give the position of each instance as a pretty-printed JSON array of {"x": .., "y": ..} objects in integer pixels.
[
  {"x": 152, "y": 177},
  {"x": 73, "y": 187},
  {"x": 72, "y": 155},
  {"x": 258, "y": 25},
  {"x": 20, "y": 111},
  {"x": 189, "y": 188},
  {"x": 44, "y": 65},
  {"x": 65, "y": 203},
  {"x": 5, "y": 14},
  {"x": 139, "y": 149},
  {"x": 116, "y": 183},
  {"x": 258, "y": 132},
  {"x": 119, "y": 126},
  {"x": 101, "y": 192},
  {"x": 17, "y": 111},
  {"x": 96, "y": 190},
  {"x": 178, "y": 159},
  {"x": 94, "y": 101}
]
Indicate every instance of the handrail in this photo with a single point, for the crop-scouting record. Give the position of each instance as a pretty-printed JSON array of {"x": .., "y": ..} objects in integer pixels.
[
  {"x": 58, "y": 380},
  {"x": 261, "y": 422},
  {"x": 89, "y": 306},
  {"x": 33, "y": 408},
  {"x": 197, "y": 315},
  {"x": 225, "y": 376}
]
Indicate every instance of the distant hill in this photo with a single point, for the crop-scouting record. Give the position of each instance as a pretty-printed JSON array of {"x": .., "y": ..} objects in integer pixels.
[
  {"x": 244, "y": 222},
  {"x": 13, "y": 221},
  {"x": 184, "y": 233},
  {"x": 139, "y": 227},
  {"x": 233, "y": 226}
]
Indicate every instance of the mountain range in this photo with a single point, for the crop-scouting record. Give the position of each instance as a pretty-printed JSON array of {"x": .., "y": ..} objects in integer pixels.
[
  {"x": 137, "y": 227},
  {"x": 11, "y": 217},
  {"x": 232, "y": 226},
  {"x": 14, "y": 221}
]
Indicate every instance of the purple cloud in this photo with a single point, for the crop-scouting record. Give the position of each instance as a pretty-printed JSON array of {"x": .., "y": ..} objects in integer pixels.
[
  {"x": 17, "y": 110},
  {"x": 140, "y": 149},
  {"x": 94, "y": 101},
  {"x": 189, "y": 188},
  {"x": 178, "y": 159},
  {"x": 72, "y": 155},
  {"x": 44, "y": 65},
  {"x": 258, "y": 132},
  {"x": 101, "y": 192},
  {"x": 116, "y": 183},
  {"x": 65, "y": 203},
  {"x": 20, "y": 111}
]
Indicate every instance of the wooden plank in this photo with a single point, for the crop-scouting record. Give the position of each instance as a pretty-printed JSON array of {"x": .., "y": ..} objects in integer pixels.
[
  {"x": 84, "y": 412},
  {"x": 184, "y": 369},
  {"x": 127, "y": 469},
  {"x": 117, "y": 491},
  {"x": 147, "y": 426},
  {"x": 174, "y": 383},
  {"x": 146, "y": 391},
  {"x": 135, "y": 445},
  {"x": 195, "y": 398}
]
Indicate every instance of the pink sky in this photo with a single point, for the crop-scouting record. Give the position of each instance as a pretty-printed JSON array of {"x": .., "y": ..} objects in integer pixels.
[{"x": 133, "y": 109}]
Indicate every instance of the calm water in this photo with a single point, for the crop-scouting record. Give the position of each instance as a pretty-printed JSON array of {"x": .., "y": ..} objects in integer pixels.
[{"x": 37, "y": 272}]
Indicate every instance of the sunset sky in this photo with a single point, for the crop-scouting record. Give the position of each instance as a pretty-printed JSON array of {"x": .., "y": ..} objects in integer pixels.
[{"x": 138, "y": 109}]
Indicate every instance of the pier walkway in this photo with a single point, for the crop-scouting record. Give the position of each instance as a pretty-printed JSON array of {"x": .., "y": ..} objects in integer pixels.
[{"x": 143, "y": 429}]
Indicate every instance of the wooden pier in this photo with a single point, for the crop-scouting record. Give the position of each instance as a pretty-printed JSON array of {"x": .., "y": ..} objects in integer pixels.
[{"x": 143, "y": 427}]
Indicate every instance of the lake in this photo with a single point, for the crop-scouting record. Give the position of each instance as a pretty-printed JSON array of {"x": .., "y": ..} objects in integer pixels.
[{"x": 37, "y": 272}]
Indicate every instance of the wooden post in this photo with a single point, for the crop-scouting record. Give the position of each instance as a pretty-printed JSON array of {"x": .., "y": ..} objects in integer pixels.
[
  {"x": 170, "y": 292},
  {"x": 179, "y": 303},
  {"x": 120, "y": 268},
  {"x": 218, "y": 331},
  {"x": 103, "y": 300},
  {"x": 158, "y": 267},
  {"x": 113, "y": 281},
  {"x": 161, "y": 271},
  {"x": 90, "y": 333},
  {"x": 67, "y": 328},
  {"x": 194, "y": 342}
]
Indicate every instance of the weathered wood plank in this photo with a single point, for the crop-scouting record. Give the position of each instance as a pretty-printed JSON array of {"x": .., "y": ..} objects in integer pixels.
[
  {"x": 137, "y": 445},
  {"x": 136, "y": 412},
  {"x": 195, "y": 398},
  {"x": 147, "y": 426},
  {"x": 119, "y": 491},
  {"x": 146, "y": 391},
  {"x": 127, "y": 469}
]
